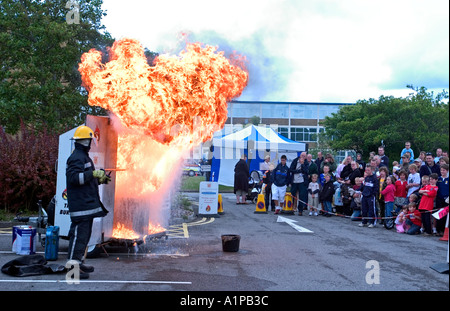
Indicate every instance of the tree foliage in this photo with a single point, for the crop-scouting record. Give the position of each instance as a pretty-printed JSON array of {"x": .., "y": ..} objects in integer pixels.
[
  {"x": 39, "y": 54},
  {"x": 420, "y": 118},
  {"x": 27, "y": 168}
]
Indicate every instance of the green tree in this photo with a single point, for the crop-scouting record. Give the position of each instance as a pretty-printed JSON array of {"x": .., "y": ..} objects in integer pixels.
[
  {"x": 39, "y": 54},
  {"x": 420, "y": 118},
  {"x": 255, "y": 120}
]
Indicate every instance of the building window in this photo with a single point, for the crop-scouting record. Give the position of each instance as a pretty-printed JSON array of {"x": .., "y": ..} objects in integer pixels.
[
  {"x": 297, "y": 112},
  {"x": 342, "y": 154},
  {"x": 326, "y": 110},
  {"x": 275, "y": 111},
  {"x": 283, "y": 131},
  {"x": 304, "y": 134},
  {"x": 243, "y": 110}
]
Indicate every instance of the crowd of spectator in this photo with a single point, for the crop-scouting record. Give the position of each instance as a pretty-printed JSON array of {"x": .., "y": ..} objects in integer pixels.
[{"x": 408, "y": 189}]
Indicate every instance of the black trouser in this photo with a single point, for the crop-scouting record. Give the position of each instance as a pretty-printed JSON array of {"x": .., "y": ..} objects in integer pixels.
[
  {"x": 347, "y": 208},
  {"x": 382, "y": 209},
  {"x": 440, "y": 224},
  {"x": 267, "y": 196},
  {"x": 79, "y": 234},
  {"x": 303, "y": 197},
  {"x": 426, "y": 220},
  {"x": 368, "y": 209}
]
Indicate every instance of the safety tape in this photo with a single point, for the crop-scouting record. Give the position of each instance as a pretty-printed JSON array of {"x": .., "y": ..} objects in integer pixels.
[{"x": 346, "y": 216}]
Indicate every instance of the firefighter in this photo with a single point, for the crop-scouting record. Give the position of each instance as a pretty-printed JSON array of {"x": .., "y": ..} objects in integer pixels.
[{"x": 83, "y": 197}]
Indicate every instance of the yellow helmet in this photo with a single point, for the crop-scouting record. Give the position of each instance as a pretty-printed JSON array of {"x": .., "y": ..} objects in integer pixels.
[{"x": 83, "y": 132}]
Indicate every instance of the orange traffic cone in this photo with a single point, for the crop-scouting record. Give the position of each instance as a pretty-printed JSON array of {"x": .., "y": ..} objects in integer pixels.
[
  {"x": 261, "y": 205},
  {"x": 288, "y": 205},
  {"x": 445, "y": 237},
  {"x": 220, "y": 205}
]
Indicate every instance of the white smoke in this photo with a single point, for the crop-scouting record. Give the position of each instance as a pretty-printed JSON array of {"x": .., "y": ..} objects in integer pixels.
[{"x": 302, "y": 50}]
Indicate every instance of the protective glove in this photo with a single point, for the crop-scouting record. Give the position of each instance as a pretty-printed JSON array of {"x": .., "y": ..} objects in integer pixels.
[
  {"x": 105, "y": 179},
  {"x": 99, "y": 174}
]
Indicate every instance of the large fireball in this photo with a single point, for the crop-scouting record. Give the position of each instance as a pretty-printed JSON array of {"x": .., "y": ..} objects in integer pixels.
[
  {"x": 164, "y": 111},
  {"x": 182, "y": 98}
]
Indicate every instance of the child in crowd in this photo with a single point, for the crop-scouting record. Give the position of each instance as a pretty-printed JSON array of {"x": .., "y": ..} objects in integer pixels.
[
  {"x": 388, "y": 194},
  {"x": 370, "y": 193},
  {"x": 280, "y": 178},
  {"x": 401, "y": 219},
  {"x": 313, "y": 195},
  {"x": 413, "y": 180},
  {"x": 395, "y": 169},
  {"x": 413, "y": 220},
  {"x": 443, "y": 160},
  {"x": 326, "y": 194},
  {"x": 383, "y": 173},
  {"x": 337, "y": 198},
  {"x": 326, "y": 170},
  {"x": 346, "y": 196},
  {"x": 428, "y": 192},
  {"x": 413, "y": 198},
  {"x": 400, "y": 198},
  {"x": 356, "y": 198},
  {"x": 409, "y": 150},
  {"x": 443, "y": 193},
  {"x": 425, "y": 180}
]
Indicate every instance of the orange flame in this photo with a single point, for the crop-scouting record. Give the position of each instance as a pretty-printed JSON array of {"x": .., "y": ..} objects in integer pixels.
[
  {"x": 153, "y": 229},
  {"x": 179, "y": 98},
  {"x": 166, "y": 109},
  {"x": 121, "y": 232}
]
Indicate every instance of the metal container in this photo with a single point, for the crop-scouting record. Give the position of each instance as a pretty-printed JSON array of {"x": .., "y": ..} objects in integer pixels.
[
  {"x": 52, "y": 243},
  {"x": 24, "y": 240}
]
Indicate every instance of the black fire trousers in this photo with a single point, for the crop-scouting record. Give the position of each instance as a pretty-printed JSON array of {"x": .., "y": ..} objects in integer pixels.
[{"x": 79, "y": 235}]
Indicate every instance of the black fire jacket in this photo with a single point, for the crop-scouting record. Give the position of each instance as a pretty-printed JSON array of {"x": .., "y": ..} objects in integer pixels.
[{"x": 82, "y": 188}]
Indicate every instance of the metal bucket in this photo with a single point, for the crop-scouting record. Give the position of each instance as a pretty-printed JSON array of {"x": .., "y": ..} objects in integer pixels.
[
  {"x": 230, "y": 242},
  {"x": 23, "y": 240}
]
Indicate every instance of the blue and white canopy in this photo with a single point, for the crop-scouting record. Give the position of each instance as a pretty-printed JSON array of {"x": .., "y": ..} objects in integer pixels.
[
  {"x": 262, "y": 138},
  {"x": 254, "y": 141}
]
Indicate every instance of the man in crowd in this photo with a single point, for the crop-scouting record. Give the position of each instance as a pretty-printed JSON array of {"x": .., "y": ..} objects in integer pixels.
[
  {"x": 384, "y": 160},
  {"x": 430, "y": 167},
  {"x": 299, "y": 170},
  {"x": 280, "y": 179}
]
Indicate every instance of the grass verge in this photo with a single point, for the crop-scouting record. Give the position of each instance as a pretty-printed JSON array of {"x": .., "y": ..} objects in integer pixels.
[{"x": 193, "y": 184}]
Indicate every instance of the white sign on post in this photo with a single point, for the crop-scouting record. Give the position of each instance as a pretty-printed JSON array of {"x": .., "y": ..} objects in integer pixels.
[{"x": 208, "y": 199}]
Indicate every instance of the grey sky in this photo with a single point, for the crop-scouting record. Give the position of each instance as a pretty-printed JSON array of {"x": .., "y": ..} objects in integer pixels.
[{"x": 304, "y": 50}]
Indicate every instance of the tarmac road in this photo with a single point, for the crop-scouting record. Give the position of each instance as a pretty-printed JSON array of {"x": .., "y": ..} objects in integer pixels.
[{"x": 273, "y": 256}]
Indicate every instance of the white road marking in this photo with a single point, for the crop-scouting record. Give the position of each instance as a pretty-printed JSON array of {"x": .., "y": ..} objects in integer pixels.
[
  {"x": 96, "y": 281},
  {"x": 290, "y": 222}
]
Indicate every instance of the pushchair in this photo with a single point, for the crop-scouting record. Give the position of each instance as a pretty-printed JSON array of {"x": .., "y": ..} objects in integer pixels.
[
  {"x": 389, "y": 223},
  {"x": 255, "y": 186}
]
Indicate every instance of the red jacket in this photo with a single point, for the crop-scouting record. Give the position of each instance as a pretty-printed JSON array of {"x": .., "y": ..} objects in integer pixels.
[
  {"x": 427, "y": 200},
  {"x": 400, "y": 188},
  {"x": 415, "y": 217},
  {"x": 388, "y": 193}
]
